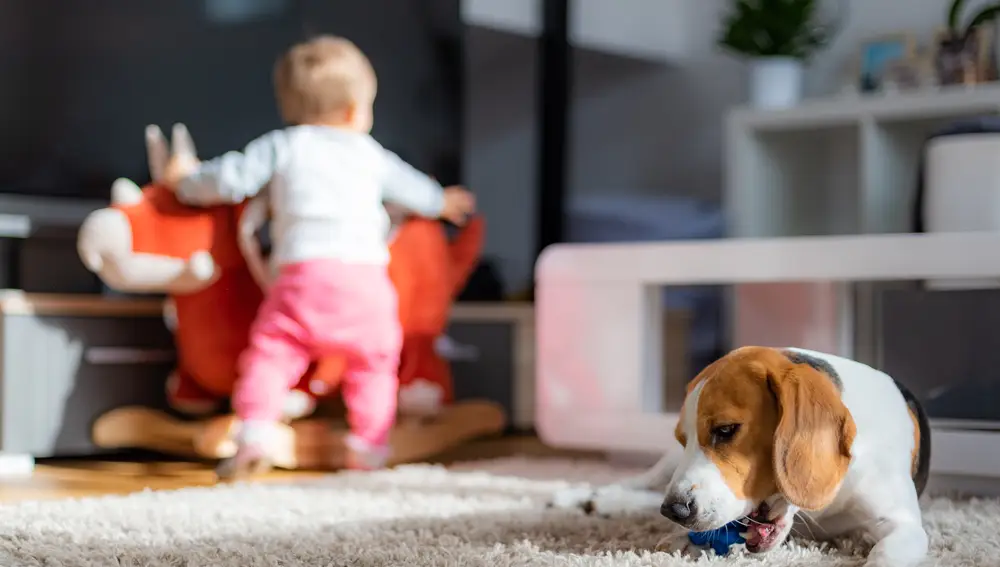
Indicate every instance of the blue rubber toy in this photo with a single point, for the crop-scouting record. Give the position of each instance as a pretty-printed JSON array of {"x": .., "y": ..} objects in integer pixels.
[{"x": 721, "y": 539}]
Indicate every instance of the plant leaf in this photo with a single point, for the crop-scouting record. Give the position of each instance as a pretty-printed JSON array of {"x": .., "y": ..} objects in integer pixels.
[
  {"x": 763, "y": 28},
  {"x": 954, "y": 14},
  {"x": 985, "y": 15}
]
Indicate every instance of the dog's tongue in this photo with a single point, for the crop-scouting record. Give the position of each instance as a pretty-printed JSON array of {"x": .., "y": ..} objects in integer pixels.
[
  {"x": 757, "y": 534},
  {"x": 759, "y": 529}
]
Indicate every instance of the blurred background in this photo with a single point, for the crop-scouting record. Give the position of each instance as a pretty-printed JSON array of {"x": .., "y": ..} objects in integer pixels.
[{"x": 572, "y": 121}]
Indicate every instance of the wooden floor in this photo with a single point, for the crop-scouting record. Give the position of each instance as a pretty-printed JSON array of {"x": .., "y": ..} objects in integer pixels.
[{"x": 85, "y": 478}]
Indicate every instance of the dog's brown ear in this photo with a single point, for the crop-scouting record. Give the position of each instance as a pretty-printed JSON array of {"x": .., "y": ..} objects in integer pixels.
[{"x": 813, "y": 440}]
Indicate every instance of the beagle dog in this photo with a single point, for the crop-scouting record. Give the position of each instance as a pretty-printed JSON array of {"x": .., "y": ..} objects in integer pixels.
[{"x": 771, "y": 436}]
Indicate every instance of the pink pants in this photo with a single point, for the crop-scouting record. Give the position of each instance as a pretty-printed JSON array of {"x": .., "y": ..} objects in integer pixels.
[{"x": 323, "y": 307}]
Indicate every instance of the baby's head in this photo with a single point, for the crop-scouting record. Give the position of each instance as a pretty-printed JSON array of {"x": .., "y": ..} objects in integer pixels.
[{"x": 326, "y": 80}]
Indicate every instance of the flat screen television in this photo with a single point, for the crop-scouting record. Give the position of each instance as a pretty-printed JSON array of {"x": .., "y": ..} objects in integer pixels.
[{"x": 80, "y": 80}]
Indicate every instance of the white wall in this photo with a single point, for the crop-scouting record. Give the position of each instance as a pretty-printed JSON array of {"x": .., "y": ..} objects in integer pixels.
[{"x": 638, "y": 127}]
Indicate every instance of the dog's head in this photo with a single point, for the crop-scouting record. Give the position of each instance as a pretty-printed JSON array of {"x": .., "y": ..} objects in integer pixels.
[{"x": 759, "y": 425}]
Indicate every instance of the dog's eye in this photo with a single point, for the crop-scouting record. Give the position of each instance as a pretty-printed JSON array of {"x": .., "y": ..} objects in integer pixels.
[{"x": 723, "y": 433}]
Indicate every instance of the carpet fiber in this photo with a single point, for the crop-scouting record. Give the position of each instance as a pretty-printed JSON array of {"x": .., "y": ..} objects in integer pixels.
[{"x": 490, "y": 513}]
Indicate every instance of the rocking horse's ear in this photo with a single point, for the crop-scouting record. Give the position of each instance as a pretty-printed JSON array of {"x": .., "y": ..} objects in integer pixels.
[
  {"x": 181, "y": 142},
  {"x": 157, "y": 152}
]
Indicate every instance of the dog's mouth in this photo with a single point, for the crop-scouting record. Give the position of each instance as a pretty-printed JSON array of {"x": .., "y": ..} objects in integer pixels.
[{"x": 762, "y": 534}]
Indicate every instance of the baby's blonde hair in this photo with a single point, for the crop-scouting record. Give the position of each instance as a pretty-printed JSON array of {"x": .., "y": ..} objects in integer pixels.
[{"x": 321, "y": 76}]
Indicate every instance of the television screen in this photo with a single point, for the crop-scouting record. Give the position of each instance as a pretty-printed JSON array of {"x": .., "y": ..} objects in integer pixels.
[{"x": 80, "y": 80}]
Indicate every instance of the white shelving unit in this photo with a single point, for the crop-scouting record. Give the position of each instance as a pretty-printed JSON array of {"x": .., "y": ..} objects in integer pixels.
[
  {"x": 837, "y": 166},
  {"x": 643, "y": 29},
  {"x": 598, "y": 358}
]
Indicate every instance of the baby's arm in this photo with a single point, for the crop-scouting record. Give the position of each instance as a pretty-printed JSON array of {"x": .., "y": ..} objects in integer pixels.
[
  {"x": 234, "y": 176},
  {"x": 406, "y": 186}
]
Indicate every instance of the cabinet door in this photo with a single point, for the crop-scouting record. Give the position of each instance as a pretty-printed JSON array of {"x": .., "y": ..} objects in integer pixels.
[
  {"x": 945, "y": 347},
  {"x": 61, "y": 373},
  {"x": 50, "y": 263},
  {"x": 485, "y": 368}
]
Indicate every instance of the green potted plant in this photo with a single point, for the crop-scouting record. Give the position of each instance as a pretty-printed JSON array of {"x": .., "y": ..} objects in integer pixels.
[
  {"x": 958, "y": 47},
  {"x": 777, "y": 37}
]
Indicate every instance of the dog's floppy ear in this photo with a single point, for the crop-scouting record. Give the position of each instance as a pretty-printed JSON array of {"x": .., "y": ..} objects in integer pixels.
[{"x": 813, "y": 440}]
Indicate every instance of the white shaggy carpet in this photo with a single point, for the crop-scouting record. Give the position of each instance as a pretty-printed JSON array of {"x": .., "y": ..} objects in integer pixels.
[{"x": 490, "y": 513}]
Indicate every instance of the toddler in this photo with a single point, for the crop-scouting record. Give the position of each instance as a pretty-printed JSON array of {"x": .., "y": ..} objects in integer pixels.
[{"x": 327, "y": 179}]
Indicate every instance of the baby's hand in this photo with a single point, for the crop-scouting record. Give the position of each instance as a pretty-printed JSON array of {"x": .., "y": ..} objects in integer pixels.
[
  {"x": 459, "y": 203},
  {"x": 178, "y": 167}
]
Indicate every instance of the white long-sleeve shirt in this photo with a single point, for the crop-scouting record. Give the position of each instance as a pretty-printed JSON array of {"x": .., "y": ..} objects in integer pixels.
[{"x": 326, "y": 188}]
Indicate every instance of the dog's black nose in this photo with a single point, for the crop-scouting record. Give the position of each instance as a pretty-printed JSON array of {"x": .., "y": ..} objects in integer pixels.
[{"x": 680, "y": 510}]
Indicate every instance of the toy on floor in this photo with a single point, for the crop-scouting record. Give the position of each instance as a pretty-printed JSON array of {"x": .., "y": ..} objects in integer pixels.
[
  {"x": 720, "y": 539},
  {"x": 147, "y": 242}
]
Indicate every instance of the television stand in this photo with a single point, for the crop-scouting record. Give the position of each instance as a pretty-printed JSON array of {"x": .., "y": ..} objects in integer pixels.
[{"x": 37, "y": 228}]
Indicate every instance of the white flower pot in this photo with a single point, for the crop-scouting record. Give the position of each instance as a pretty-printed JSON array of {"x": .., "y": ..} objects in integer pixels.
[{"x": 775, "y": 82}]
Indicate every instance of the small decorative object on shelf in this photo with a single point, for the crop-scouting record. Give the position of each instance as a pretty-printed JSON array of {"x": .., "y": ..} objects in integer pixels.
[
  {"x": 885, "y": 61},
  {"x": 965, "y": 54},
  {"x": 778, "y": 37},
  {"x": 910, "y": 74}
]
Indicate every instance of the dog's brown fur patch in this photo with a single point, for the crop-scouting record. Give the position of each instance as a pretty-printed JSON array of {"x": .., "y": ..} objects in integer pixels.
[{"x": 794, "y": 435}]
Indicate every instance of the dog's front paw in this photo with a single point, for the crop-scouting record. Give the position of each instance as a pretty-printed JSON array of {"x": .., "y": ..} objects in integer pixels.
[
  {"x": 607, "y": 500},
  {"x": 680, "y": 544},
  {"x": 574, "y": 499}
]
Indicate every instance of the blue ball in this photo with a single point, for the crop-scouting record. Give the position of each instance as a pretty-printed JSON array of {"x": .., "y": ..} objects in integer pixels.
[{"x": 721, "y": 539}]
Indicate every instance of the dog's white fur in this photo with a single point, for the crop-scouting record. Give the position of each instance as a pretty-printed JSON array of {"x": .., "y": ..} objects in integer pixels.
[{"x": 877, "y": 497}]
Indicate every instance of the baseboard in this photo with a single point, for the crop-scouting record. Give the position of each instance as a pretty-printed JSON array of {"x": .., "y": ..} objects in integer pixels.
[{"x": 964, "y": 485}]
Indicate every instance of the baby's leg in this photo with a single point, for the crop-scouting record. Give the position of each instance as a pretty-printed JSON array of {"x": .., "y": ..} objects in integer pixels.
[
  {"x": 370, "y": 394},
  {"x": 272, "y": 364},
  {"x": 353, "y": 312},
  {"x": 371, "y": 390}
]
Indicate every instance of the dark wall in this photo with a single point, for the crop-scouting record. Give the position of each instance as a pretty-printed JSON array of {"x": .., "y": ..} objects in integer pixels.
[{"x": 79, "y": 80}]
